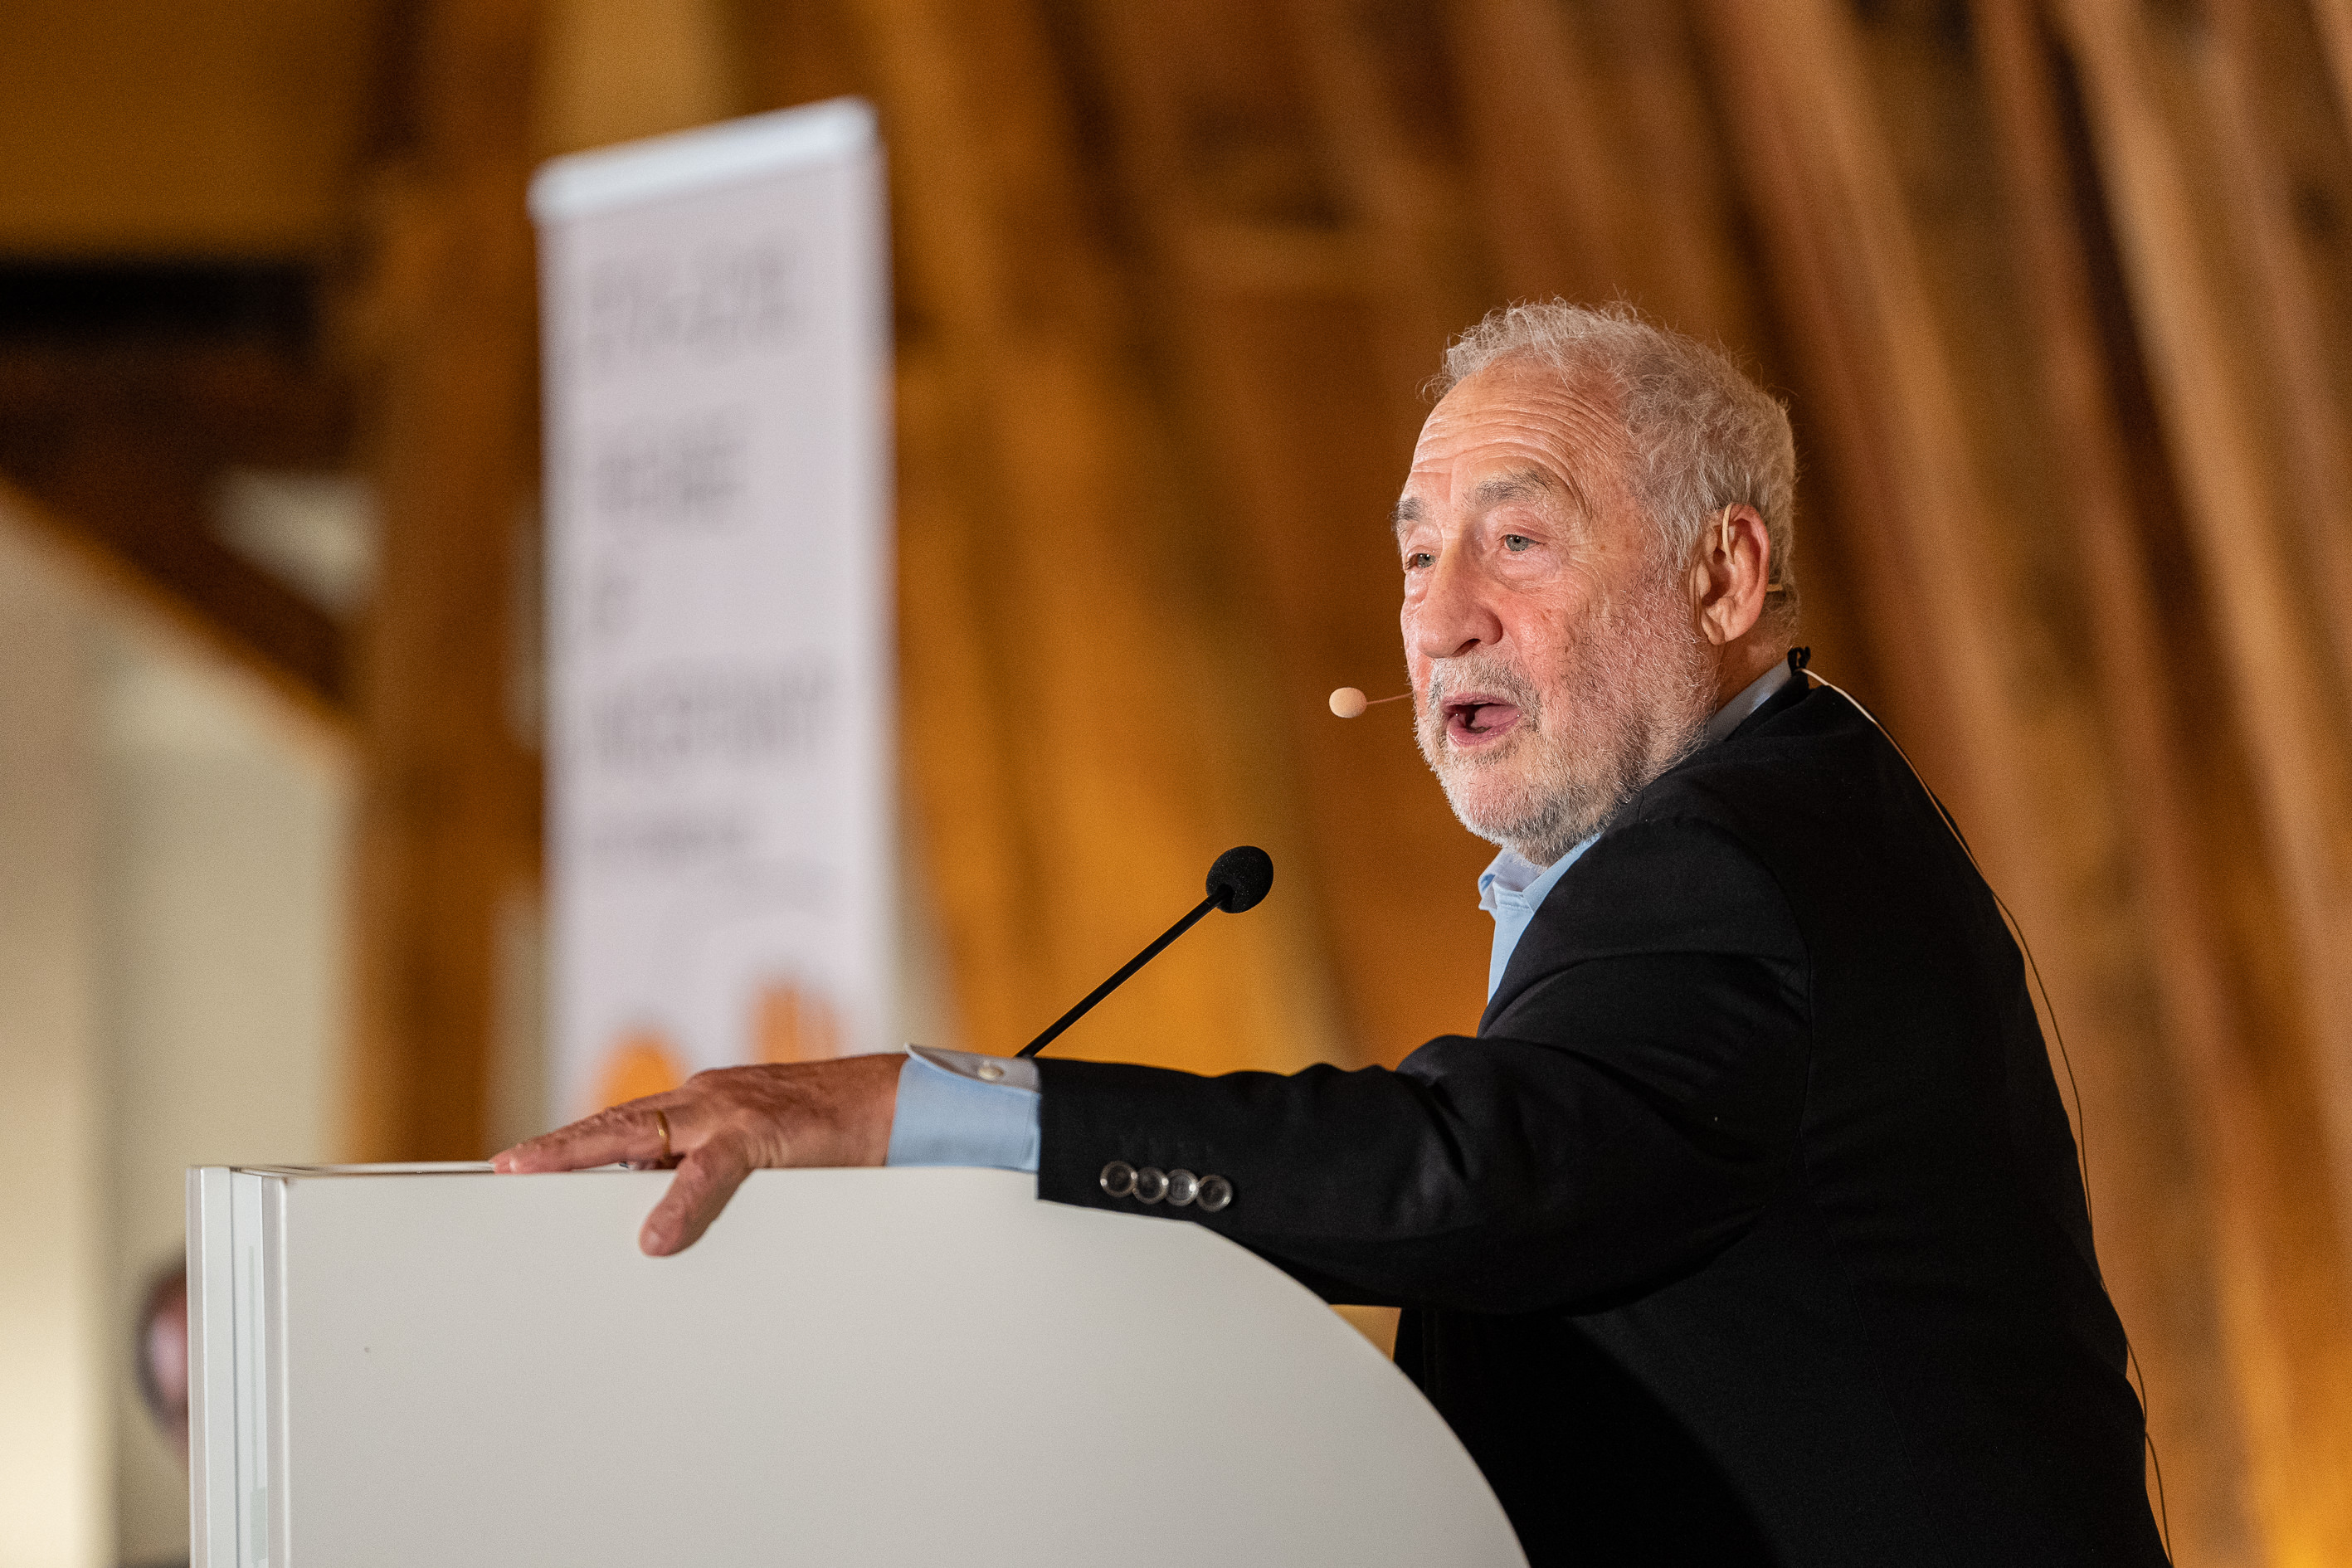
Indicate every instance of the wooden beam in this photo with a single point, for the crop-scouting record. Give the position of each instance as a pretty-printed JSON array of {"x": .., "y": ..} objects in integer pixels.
[
  {"x": 2334, "y": 20},
  {"x": 449, "y": 814},
  {"x": 1878, "y": 189},
  {"x": 959, "y": 811},
  {"x": 1292, "y": 401},
  {"x": 2196, "y": 289},
  {"x": 1257, "y": 260},
  {"x": 1601, "y": 171},
  {"x": 1053, "y": 517},
  {"x": 2284, "y": 158},
  {"x": 1815, "y": 164},
  {"x": 122, "y": 442},
  {"x": 2219, "y": 389},
  {"x": 138, "y": 596},
  {"x": 962, "y": 811},
  {"x": 1562, "y": 214},
  {"x": 2116, "y": 481},
  {"x": 1383, "y": 87}
]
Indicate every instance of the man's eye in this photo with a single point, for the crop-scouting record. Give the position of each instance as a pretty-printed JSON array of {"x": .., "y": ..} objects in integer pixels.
[
  {"x": 1418, "y": 559},
  {"x": 1515, "y": 543}
]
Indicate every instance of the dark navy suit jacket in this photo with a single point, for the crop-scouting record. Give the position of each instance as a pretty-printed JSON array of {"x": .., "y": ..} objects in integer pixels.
[{"x": 1748, "y": 1227}]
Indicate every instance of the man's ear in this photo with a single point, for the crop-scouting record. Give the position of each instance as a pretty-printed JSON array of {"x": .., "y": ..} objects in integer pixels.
[{"x": 1731, "y": 574}]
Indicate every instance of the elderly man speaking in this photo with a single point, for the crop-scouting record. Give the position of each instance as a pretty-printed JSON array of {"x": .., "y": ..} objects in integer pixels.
[{"x": 1747, "y": 1229}]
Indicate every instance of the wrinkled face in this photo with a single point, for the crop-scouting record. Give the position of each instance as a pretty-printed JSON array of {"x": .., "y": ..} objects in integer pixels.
[{"x": 1556, "y": 664}]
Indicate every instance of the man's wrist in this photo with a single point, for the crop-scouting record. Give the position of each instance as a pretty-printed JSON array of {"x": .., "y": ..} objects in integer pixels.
[{"x": 956, "y": 1109}]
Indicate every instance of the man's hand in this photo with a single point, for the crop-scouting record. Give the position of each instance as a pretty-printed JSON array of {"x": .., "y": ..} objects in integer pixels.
[{"x": 724, "y": 1125}]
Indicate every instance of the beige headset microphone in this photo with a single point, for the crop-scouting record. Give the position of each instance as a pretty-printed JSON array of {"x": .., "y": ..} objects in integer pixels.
[{"x": 1349, "y": 703}]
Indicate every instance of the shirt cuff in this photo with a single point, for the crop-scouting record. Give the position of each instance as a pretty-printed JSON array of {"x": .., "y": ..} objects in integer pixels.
[{"x": 955, "y": 1108}]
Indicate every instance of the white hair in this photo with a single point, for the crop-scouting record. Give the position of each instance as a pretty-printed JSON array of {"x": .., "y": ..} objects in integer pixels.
[{"x": 1700, "y": 434}]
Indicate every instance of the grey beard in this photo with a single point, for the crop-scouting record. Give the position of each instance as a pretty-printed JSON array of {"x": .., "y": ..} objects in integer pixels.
[{"x": 1641, "y": 688}]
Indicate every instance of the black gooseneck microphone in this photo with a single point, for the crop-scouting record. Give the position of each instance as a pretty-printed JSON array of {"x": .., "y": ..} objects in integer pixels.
[{"x": 1236, "y": 882}]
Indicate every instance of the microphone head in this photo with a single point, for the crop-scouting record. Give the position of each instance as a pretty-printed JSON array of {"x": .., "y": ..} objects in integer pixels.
[
  {"x": 1348, "y": 702},
  {"x": 1241, "y": 878}
]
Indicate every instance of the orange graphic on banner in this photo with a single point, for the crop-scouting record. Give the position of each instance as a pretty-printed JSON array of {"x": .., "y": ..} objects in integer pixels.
[
  {"x": 790, "y": 1024},
  {"x": 641, "y": 1062}
]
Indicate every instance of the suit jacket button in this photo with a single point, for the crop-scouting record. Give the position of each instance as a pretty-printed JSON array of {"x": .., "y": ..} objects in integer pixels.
[
  {"x": 1215, "y": 1193},
  {"x": 1183, "y": 1186},
  {"x": 1150, "y": 1185},
  {"x": 1118, "y": 1178}
]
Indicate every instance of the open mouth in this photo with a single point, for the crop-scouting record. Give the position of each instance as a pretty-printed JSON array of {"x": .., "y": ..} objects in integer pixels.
[{"x": 1474, "y": 719}]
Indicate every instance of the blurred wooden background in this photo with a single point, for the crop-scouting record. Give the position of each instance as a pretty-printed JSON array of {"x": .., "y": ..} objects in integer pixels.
[{"x": 2059, "y": 292}]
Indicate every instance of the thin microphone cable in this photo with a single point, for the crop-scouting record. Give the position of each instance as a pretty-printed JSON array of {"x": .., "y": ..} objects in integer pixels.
[{"x": 2082, "y": 1134}]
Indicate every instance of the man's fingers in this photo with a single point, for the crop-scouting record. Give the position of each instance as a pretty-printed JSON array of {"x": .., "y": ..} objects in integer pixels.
[
  {"x": 706, "y": 1179},
  {"x": 628, "y": 1132},
  {"x": 708, "y": 1172},
  {"x": 723, "y": 1125}
]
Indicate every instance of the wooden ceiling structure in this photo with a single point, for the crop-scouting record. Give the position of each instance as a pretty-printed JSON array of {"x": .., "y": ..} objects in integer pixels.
[{"x": 2059, "y": 292}]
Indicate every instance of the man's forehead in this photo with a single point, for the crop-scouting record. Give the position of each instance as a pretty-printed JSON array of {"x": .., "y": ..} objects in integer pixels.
[
  {"x": 1515, "y": 431},
  {"x": 1520, "y": 482},
  {"x": 1528, "y": 401}
]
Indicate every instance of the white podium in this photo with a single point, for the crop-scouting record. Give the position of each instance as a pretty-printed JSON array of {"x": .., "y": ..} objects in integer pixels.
[{"x": 404, "y": 1366}]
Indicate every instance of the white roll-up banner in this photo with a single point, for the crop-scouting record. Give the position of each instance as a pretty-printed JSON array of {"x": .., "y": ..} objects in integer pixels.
[{"x": 721, "y": 697}]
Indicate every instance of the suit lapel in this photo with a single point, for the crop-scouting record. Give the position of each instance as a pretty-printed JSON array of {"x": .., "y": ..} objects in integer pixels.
[
  {"x": 1517, "y": 973},
  {"x": 1521, "y": 969},
  {"x": 1772, "y": 707}
]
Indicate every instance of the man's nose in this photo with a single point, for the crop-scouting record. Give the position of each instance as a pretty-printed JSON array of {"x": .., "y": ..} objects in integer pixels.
[{"x": 1454, "y": 616}]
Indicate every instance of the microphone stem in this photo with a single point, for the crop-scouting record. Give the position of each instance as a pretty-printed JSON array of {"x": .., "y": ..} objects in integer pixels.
[{"x": 1108, "y": 986}]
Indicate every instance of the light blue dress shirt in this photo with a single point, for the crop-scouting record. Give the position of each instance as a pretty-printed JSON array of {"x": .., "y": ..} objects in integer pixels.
[
  {"x": 957, "y": 1108},
  {"x": 1512, "y": 888}
]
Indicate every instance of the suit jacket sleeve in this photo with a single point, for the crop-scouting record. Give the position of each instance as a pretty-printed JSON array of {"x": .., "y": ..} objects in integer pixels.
[{"x": 1624, "y": 1117}]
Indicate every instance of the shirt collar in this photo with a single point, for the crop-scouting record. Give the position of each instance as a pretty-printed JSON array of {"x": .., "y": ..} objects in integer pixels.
[
  {"x": 1512, "y": 872},
  {"x": 1752, "y": 696},
  {"x": 1509, "y": 872}
]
